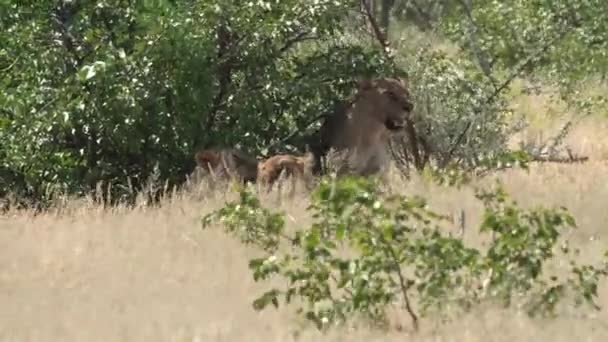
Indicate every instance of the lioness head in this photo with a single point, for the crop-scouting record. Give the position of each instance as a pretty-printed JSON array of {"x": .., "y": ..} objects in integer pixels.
[{"x": 388, "y": 99}]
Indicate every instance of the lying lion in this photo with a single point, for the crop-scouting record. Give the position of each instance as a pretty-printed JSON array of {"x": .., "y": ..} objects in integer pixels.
[
  {"x": 227, "y": 163},
  {"x": 295, "y": 167}
]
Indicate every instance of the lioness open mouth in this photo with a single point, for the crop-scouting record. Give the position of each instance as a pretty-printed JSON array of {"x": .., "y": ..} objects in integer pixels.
[{"x": 393, "y": 125}]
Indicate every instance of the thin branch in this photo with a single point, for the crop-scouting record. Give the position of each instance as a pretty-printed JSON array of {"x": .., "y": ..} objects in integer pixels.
[
  {"x": 531, "y": 58},
  {"x": 296, "y": 39},
  {"x": 485, "y": 65},
  {"x": 403, "y": 286},
  {"x": 9, "y": 67},
  {"x": 379, "y": 35},
  {"x": 570, "y": 159},
  {"x": 296, "y": 131}
]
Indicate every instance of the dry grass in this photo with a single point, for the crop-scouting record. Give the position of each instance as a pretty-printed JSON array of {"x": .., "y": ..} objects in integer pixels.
[{"x": 87, "y": 274}]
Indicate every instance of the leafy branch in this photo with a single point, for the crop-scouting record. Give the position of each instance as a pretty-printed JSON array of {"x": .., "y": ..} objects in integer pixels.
[{"x": 387, "y": 238}]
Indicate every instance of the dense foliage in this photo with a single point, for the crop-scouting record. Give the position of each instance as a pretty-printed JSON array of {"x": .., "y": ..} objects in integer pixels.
[
  {"x": 462, "y": 87},
  {"x": 562, "y": 42},
  {"x": 118, "y": 91},
  {"x": 110, "y": 91}
]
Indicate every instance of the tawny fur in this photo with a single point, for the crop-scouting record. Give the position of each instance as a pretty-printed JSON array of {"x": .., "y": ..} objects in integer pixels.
[
  {"x": 207, "y": 159},
  {"x": 296, "y": 167},
  {"x": 363, "y": 124},
  {"x": 227, "y": 163}
]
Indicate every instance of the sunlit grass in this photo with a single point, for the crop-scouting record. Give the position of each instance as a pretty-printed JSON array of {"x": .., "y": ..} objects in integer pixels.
[{"x": 81, "y": 272}]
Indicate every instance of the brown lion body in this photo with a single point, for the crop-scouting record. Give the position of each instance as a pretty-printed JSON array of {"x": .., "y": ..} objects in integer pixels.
[
  {"x": 227, "y": 163},
  {"x": 361, "y": 126},
  {"x": 296, "y": 167}
]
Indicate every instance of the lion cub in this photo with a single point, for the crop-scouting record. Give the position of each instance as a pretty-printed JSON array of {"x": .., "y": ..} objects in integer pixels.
[
  {"x": 227, "y": 163},
  {"x": 296, "y": 167}
]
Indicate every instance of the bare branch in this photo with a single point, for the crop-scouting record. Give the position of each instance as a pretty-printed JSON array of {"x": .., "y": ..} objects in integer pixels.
[
  {"x": 379, "y": 35},
  {"x": 570, "y": 159},
  {"x": 296, "y": 39},
  {"x": 403, "y": 284},
  {"x": 10, "y": 66}
]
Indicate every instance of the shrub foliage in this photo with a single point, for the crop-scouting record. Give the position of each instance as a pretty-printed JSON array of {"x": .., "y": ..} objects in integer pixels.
[
  {"x": 120, "y": 91},
  {"x": 110, "y": 91},
  {"x": 366, "y": 251}
]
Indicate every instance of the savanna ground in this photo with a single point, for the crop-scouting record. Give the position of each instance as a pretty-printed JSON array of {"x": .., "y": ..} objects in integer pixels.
[{"x": 83, "y": 273}]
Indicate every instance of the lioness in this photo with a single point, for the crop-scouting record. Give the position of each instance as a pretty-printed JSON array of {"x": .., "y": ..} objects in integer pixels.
[
  {"x": 362, "y": 125},
  {"x": 227, "y": 163},
  {"x": 296, "y": 167}
]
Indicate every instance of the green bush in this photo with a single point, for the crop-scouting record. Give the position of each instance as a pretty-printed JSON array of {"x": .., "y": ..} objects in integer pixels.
[
  {"x": 461, "y": 80},
  {"x": 366, "y": 251},
  {"x": 111, "y": 91},
  {"x": 117, "y": 92}
]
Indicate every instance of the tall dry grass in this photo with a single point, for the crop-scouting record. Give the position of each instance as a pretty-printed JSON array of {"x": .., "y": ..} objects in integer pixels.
[{"x": 85, "y": 273}]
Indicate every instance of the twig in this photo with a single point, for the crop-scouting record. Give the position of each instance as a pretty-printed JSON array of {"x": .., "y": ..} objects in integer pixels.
[
  {"x": 404, "y": 289},
  {"x": 296, "y": 39},
  {"x": 10, "y": 66},
  {"x": 296, "y": 131},
  {"x": 571, "y": 159},
  {"x": 462, "y": 222},
  {"x": 379, "y": 35},
  {"x": 402, "y": 283},
  {"x": 60, "y": 17}
]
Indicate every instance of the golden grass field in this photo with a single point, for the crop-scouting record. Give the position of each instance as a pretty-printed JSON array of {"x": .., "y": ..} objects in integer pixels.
[{"x": 151, "y": 274}]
